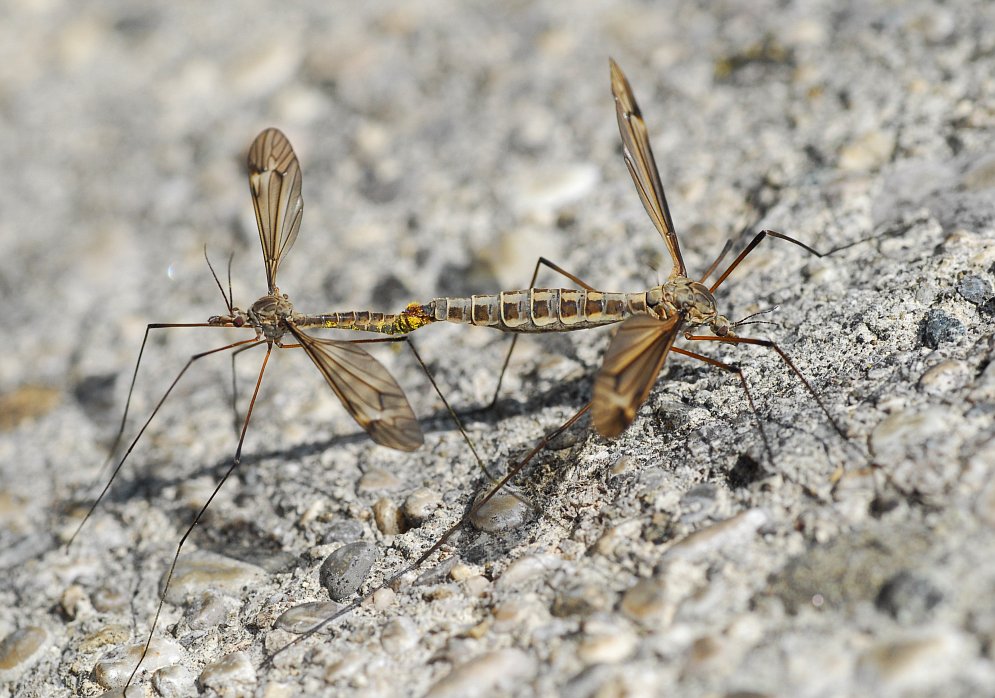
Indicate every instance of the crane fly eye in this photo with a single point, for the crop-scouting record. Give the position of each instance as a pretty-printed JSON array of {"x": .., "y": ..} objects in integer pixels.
[{"x": 238, "y": 321}]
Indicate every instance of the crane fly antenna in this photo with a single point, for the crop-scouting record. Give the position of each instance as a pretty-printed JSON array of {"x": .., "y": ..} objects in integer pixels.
[
  {"x": 228, "y": 298},
  {"x": 748, "y": 320}
]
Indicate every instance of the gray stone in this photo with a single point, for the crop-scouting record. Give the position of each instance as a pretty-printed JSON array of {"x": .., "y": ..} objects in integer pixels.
[
  {"x": 303, "y": 617},
  {"x": 113, "y": 670},
  {"x": 908, "y": 598},
  {"x": 940, "y": 328},
  {"x": 344, "y": 531},
  {"x": 974, "y": 289},
  {"x": 174, "y": 681},
  {"x": 201, "y": 571},
  {"x": 232, "y": 676},
  {"x": 389, "y": 517},
  {"x": 501, "y": 671},
  {"x": 505, "y": 511},
  {"x": 420, "y": 505},
  {"x": 20, "y": 649},
  {"x": 343, "y": 572}
]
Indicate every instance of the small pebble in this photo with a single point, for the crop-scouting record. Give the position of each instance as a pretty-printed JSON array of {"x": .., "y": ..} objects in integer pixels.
[
  {"x": 399, "y": 635},
  {"x": 606, "y": 645},
  {"x": 378, "y": 480},
  {"x": 206, "y": 610},
  {"x": 939, "y": 328},
  {"x": 174, "y": 681},
  {"x": 505, "y": 511},
  {"x": 202, "y": 570},
  {"x": 344, "y": 571},
  {"x": 26, "y": 402},
  {"x": 232, "y": 676},
  {"x": 477, "y": 585},
  {"x": 73, "y": 601},
  {"x": 983, "y": 389},
  {"x": 868, "y": 152},
  {"x": 908, "y": 598},
  {"x": 303, "y": 617},
  {"x": 460, "y": 571},
  {"x": 614, "y": 537},
  {"x": 915, "y": 664},
  {"x": 109, "y": 600},
  {"x": 526, "y": 568},
  {"x": 384, "y": 598},
  {"x": 342, "y": 531},
  {"x": 516, "y": 614},
  {"x": 437, "y": 574},
  {"x": 420, "y": 505},
  {"x": 498, "y": 672},
  {"x": 724, "y": 535},
  {"x": 582, "y": 600},
  {"x": 550, "y": 188},
  {"x": 390, "y": 519},
  {"x": 698, "y": 503},
  {"x": 646, "y": 602},
  {"x": 113, "y": 634},
  {"x": 348, "y": 665},
  {"x": 114, "y": 669},
  {"x": 20, "y": 649},
  {"x": 919, "y": 447},
  {"x": 945, "y": 377},
  {"x": 974, "y": 289}
]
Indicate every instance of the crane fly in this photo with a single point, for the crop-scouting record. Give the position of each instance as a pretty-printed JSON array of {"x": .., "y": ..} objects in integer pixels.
[
  {"x": 366, "y": 389},
  {"x": 651, "y": 322}
]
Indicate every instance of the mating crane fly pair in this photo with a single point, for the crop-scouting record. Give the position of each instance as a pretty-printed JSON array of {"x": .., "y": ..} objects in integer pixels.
[{"x": 651, "y": 320}]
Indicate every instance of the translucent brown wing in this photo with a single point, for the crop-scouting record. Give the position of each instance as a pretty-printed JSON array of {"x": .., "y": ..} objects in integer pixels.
[
  {"x": 642, "y": 166},
  {"x": 633, "y": 361},
  {"x": 367, "y": 390},
  {"x": 275, "y": 182}
]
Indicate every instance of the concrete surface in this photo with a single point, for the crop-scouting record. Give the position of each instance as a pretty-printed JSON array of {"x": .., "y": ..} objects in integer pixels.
[{"x": 444, "y": 147}]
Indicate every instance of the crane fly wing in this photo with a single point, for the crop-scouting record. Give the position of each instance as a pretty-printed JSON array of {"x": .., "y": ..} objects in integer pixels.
[
  {"x": 367, "y": 390},
  {"x": 642, "y": 166},
  {"x": 275, "y": 183},
  {"x": 631, "y": 365}
]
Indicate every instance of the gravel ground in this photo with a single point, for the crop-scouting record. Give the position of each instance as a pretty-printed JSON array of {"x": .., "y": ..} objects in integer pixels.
[{"x": 444, "y": 147}]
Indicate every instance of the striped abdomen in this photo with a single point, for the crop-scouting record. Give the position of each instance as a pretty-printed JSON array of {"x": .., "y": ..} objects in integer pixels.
[
  {"x": 538, "y": 309},
  {"x": 409, "y": 320}
]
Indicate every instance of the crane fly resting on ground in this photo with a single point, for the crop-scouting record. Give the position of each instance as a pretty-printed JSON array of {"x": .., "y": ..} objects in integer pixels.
[
  {"x": 367, "y": 390},
  {"x": 650, "y": 322}
]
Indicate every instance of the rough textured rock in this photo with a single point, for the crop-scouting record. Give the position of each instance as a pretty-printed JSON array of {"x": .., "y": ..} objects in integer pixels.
[{"x": 445, "y": 146}]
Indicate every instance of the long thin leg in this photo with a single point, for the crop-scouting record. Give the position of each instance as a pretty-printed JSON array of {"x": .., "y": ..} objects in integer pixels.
[
  {"x": 234, "y": 389},
  {"x": 452, "y": 412},
  {"x": 758, "y": 238},
  {"x": 718, "y": 260},
  {"x": 148, "y": 421},
  {"x": 236, "y": 461},
  {"x": 787, "y": 360},
  {"x": 134, "y": 377},
  {"x": 431, "y": 379},
  {"x": 512, "y": 472},
  {"x": 733, "y": 368},
  {"x": 542, "y": 261}
]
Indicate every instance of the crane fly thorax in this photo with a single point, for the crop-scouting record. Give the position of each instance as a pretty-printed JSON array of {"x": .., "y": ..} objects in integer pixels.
[
  {"x": 682, "y": 295},
  {"x": 268, "y": 314}
]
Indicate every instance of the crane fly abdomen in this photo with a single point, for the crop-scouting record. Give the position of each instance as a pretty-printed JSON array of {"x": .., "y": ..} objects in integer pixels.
[{"x": 538, "y": 309}]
